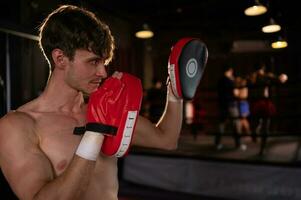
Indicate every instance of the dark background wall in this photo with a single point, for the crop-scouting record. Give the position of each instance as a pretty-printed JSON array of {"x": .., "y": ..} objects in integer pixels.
[{"x": 231, "y": 37}]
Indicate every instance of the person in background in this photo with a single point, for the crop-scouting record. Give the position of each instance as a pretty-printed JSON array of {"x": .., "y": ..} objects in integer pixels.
[
  {"x": 228, "y": 107},
  {"x": 195, "y": 115},
  {"x": 244, "y": 107},
  {"x": 263, "y": 108}
]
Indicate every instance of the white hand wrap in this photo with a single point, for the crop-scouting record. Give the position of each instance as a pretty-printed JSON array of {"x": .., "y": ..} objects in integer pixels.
[{"x": 89, "y": 146}]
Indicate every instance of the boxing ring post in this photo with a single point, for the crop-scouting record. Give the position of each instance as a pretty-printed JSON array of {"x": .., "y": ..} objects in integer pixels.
[{"x": 7, "y": 58}]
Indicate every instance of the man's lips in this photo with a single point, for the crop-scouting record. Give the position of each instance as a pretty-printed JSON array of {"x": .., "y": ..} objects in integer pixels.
[{"x": 95, "y": 81}]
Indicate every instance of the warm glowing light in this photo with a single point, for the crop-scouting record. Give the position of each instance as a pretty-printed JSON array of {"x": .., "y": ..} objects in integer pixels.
[
  {"x": 279, "y": 44},
  {"x": 144, "y": 34},
  {"x": 272, "y": 28},
  {"x": 255, "y": 10}
]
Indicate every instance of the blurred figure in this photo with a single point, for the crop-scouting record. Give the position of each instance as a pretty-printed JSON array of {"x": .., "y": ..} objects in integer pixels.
[
  {"x": 154, "y": 96},
  {"x": 263, "y": 108},
  {"x": 228, "y": 106},
  {"x": 195, "y": 116},
  {"x": 243, "y": 104}
]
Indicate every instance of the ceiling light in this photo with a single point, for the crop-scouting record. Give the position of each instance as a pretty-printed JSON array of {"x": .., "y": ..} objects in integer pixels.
[
  {"x": 256, "y": 9},
  {"x": 145, "y": 33},
  {"x": 272, "y": 27},
  {"x": 280, "y": 43}
]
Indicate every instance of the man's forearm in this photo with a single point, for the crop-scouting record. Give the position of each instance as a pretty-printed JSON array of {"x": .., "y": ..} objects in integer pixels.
[
  {"x": 71, "y": 184},
  {"x": 171, "y": 122}
]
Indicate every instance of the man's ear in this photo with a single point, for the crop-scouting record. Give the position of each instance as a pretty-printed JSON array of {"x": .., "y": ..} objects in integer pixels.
[{"x": 59, "y": 58}]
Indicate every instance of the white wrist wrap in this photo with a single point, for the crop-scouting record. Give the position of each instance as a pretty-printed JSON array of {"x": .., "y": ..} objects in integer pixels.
[{"x": 89, "y": 146}]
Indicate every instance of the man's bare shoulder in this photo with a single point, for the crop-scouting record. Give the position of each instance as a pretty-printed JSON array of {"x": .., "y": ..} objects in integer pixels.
[
  {"x": 21, "y": 118},
  {"x": 15, "y": 123}
]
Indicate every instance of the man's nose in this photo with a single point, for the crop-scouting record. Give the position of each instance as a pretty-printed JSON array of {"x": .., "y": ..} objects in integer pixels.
[{"x": 101, "y": 71}]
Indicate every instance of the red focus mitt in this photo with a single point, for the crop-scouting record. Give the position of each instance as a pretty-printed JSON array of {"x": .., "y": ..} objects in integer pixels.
[
  {"x": 186, "y": 65},
  {"x": 113, "y": 110}
]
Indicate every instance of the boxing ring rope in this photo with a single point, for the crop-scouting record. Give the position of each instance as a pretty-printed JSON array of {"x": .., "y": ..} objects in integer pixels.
[{"x": 7, "y": 57}]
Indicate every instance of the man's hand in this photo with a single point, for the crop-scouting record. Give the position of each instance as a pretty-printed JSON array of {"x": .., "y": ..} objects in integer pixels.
[
  {"x": 112, "y": 111},
  {"x": 99, "y": 116},
  {"x": 123, "y": 113}
]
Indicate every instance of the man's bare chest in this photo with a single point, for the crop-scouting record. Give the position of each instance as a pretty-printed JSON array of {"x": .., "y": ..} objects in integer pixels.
[
  {"x": 58, "y": 143},
  {"x": 57, "y": 140}
]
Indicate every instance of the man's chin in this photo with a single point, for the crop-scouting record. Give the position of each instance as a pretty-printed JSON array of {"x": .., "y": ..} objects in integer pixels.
[{"x": 89, "y": 91}]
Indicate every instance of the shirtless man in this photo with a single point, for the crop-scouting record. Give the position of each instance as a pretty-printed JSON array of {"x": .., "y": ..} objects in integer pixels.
[{"x": 37, "y": 145}]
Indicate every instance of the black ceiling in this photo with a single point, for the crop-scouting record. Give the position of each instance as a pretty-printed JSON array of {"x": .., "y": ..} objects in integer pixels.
[
  {"x": 220, "y": 23},
  {"x": 206, "y": 16},
  {"x": 202, "y": 16},
  {"x": 213, "y": 20}
]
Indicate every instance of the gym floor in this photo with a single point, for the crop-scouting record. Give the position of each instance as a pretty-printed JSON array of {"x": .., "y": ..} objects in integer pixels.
[
  {"x": 131, "y": 191},
  {"x": 279, "y": 151},
  {"x": 283, "y": 149}
]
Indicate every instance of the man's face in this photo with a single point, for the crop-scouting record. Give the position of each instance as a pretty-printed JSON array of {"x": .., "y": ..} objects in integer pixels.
[{"x": 85, "y": 72}]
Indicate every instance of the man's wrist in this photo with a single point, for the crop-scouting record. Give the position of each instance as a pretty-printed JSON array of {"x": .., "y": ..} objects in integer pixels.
[
  {"x": 171, "y": 97},
  {"x": 90, "y": 145}
]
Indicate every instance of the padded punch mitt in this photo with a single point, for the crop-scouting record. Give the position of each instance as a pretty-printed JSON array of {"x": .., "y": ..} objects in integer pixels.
[{"x": 186, "y": 65}]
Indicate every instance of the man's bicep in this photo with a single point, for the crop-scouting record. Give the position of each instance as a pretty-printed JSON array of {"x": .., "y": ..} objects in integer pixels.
[
  {"x": 146, "y": 133},
  {"x": 24, "y": 165}
]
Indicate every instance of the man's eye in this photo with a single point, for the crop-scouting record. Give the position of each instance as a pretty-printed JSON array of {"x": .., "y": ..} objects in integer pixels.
[{"x": 94, "y": 62}]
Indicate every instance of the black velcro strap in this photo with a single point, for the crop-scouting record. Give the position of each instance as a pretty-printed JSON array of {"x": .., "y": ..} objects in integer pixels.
[
  {"x": 79, "y": 130},
  {"x": 101, "y": 128},
  {"x": 95, "y": 127}
]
